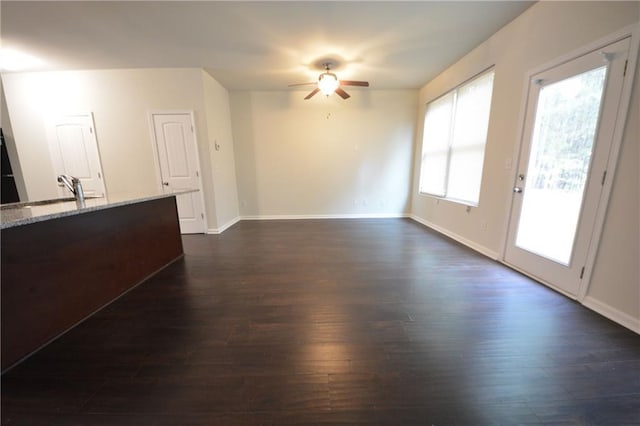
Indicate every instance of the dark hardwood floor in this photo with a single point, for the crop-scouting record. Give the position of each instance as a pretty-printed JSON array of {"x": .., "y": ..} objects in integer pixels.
[{"x": 335, "y": 321}]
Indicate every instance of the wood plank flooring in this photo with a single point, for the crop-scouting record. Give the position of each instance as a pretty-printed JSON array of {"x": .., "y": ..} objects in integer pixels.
[{"x": 337, "y": 321}]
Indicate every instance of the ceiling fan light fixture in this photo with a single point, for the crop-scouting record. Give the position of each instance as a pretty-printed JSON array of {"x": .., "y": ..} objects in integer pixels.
[{"x": 328, "y": 83}]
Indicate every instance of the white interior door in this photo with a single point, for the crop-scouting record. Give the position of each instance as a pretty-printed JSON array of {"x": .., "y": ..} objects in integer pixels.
[
  {"x": 569, "y": 124},
  {"x": 179, "y": 166},
  {"x": 74, "y": 151}
]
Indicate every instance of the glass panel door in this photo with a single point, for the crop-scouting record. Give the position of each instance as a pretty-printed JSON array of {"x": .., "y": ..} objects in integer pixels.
[
  {"x": 561, "y": 148},
  {"x": 567, "y": 137}
]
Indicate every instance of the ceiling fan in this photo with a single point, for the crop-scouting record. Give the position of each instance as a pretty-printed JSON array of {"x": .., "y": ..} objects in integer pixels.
[{"x": 328, "y": 83}]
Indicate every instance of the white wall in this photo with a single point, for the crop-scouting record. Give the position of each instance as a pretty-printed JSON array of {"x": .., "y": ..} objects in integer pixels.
[
  {"x": 544, "y": 32},
  {"x": 11, "y": 146},
  {"x": 120, "y": 101},
  {"x": 26, "y": 112},
  {"x": 216, "y": 99},
  {"x": 324, "y": 156}
]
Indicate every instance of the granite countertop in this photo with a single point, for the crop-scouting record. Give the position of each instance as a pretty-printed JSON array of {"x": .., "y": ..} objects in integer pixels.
[{"x": 17, "y": 214}]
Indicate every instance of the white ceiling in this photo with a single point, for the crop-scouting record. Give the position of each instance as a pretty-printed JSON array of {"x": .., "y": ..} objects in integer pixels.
[{"x": 257, "y": 45}]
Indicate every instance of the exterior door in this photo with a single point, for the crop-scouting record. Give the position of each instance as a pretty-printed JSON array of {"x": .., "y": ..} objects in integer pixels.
[
  {"x": 74, "y": 151},
  {"x": 568, "y": 133},
  {"x": 179, "y": 166}
]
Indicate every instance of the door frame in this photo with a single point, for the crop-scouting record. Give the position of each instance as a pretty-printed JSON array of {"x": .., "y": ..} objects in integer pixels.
[
  {"x": 156, "y": 158},
  {"x": 632, "y": 31}
]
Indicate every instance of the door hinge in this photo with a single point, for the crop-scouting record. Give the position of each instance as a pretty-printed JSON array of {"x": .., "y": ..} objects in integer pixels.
[
  {"x": 582, "y": 273},
  {"x": 192, "y": 128},
  {"x": 604, "y": 177},
  {"x": 99, "y": 175},
  {"x": 197, "y": 174},
  {"x": 202, "y": 215},
  {"x": 91, "y": 130},
  {"x": 626, "y": 62}
]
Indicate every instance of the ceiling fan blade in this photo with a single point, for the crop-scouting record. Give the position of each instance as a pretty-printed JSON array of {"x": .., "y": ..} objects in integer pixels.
[
  {"x": 342, "y": 93},
  {"x": 354, "y": 83},
  {"x": 313, "y": 92},
  {"x": 301, "y": 84}
]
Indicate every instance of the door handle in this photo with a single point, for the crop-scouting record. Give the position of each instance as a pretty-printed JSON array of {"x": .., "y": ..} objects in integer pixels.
[
  {"x": 165, "y": 183},
  {"x": 517, "y": 190}
]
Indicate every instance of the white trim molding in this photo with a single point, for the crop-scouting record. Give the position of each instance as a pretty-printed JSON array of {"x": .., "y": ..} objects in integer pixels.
[
  {"x": 229, "y": 224},
  {"x": 612, "y": 313},
  {"x": 326, "y": 216},
  {"x": 472, "y": 245},
  {"x": 632, "y": 31},
  {"x": 224, "y": 227}
]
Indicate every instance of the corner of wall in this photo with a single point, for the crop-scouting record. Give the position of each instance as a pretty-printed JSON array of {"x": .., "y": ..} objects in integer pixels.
[
  {"x": 5, "y": 124},
  {"x": 221, "y": 149}
]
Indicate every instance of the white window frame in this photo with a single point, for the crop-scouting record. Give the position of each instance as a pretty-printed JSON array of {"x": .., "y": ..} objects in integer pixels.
[{"x": 450, "y": 148}]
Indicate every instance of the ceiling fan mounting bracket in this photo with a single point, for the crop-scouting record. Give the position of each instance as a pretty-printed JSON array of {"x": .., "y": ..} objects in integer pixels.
[{"x": 334, "y": 62}]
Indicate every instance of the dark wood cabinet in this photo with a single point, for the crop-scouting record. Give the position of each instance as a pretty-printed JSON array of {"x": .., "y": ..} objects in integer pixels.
[{"x": 57, "y": 272}]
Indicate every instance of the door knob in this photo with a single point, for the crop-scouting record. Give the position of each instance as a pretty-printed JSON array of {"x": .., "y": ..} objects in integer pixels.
[
  {"x": 165, "y": 183},
  {"x": 517, "y": 190}
]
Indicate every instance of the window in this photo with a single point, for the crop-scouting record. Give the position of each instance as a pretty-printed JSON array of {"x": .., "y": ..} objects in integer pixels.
[{"x": 455, "y": 134}]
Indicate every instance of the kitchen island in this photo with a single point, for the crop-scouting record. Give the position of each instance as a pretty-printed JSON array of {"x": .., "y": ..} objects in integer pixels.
[{"x": 61, "y": 262}]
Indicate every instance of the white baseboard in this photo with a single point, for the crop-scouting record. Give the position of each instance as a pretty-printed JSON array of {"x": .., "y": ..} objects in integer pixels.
[
  {"x": 224, "y": 227},
  {"x": 327, "y": 216},
  {"x": 613, "y": 314},
  {"x": 603, "y": 309},
  {"x": 220, "y": 230},
  {"x": 477, "y": 247}
]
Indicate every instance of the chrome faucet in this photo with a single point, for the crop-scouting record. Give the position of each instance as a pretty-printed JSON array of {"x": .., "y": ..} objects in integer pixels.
[{"x": 75, "y": 186}]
